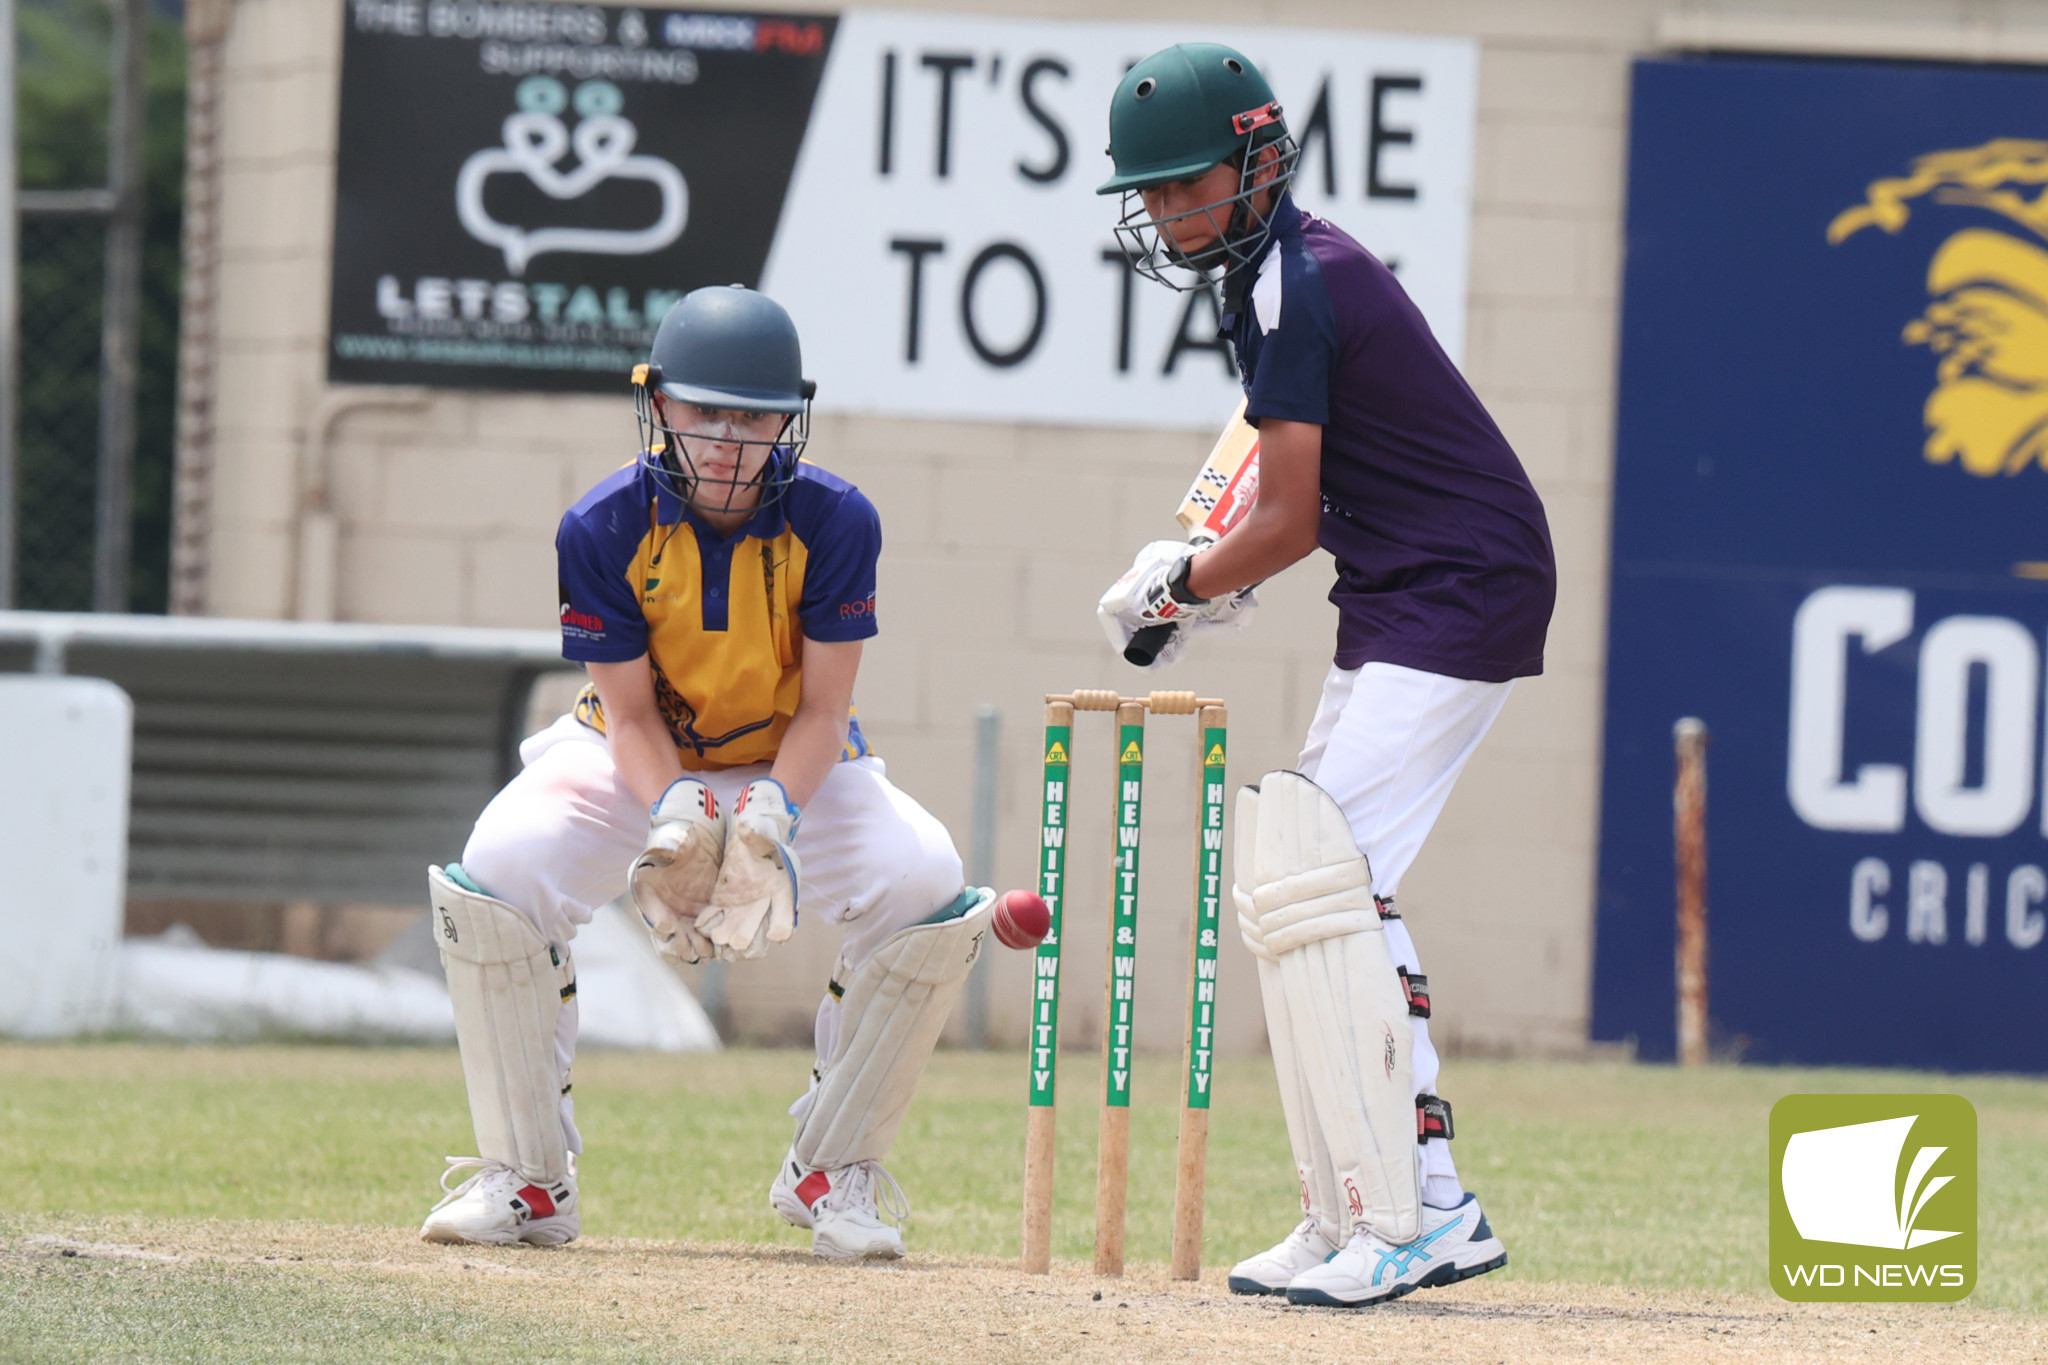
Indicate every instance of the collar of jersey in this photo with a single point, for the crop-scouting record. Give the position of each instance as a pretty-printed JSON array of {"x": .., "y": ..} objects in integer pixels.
[{"x": 1286, "y": 222}]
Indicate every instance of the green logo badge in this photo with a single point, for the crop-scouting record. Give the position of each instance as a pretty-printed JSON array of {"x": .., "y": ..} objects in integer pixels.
[{"x": 1873, "y": 1198}]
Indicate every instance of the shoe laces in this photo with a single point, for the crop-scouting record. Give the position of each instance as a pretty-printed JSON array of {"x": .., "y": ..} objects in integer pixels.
[
  {"x": 484, "y": 1169},
  {"x": 1364, "y": 1239},
  {"x": 858, "y": 1188}
]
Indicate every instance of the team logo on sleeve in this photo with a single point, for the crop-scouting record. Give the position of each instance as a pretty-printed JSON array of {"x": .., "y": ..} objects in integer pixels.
[{"x": 854, "y": 611}]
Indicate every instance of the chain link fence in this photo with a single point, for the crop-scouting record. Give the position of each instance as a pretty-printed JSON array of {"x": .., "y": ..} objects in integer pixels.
[
  {"x": 64, "y": 93},
  {"x": 63, "y": 266}
]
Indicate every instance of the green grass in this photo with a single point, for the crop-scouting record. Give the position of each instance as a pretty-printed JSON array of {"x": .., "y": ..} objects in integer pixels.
[{"x": 1594, "y": 1173}]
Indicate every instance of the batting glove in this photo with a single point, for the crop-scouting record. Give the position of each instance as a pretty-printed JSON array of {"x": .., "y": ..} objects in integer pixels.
[{"x": 1153, "y": 592}]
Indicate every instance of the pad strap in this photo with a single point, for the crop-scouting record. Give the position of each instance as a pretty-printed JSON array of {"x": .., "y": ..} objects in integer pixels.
[
  {"x": 1415, "y": 986},
  {"x": 1432, "y": 1118}
]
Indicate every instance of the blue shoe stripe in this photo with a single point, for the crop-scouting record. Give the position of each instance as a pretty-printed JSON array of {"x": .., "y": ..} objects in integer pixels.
[{"x": 1404, "y": 1256}]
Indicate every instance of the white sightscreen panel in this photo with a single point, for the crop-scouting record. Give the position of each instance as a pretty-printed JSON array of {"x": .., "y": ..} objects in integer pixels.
[{"x": 64, "y": 750}]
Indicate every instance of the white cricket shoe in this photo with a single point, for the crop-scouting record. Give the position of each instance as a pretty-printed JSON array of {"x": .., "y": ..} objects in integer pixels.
[
  {"x": 1455, "y": 1245},
  {"x": 783, "y": 1197},
  {"x": 496, "y": 1206},
  {"x": 842, "y": 1208},
  {"x": 1272, "y": 1270}
]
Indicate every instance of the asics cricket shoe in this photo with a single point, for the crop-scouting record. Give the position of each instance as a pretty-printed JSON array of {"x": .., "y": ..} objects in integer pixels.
[
  {"x": 496, "y": 1206},
  {"x": 1455, "y": 1245},
  {"x": 1272, "y": 1270},
  {"x": 842, "y": 1208}
]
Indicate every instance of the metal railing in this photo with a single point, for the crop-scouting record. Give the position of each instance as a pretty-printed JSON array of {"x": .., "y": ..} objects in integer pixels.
[{"x": 282, "y": 761}]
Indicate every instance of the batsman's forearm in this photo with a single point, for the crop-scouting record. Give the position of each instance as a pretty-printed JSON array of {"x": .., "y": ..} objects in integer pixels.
[
  {"x": 1257, "y": 548},
  {"x": 645, "y": 754},
  {"x": 813, "y": 743}
]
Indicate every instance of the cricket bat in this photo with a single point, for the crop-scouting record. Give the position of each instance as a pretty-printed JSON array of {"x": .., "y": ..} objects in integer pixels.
[{"x": 1222, "y": 493}]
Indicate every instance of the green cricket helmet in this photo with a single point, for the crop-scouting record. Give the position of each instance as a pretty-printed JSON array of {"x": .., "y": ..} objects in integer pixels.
[{"x": 1176, "y": 115}]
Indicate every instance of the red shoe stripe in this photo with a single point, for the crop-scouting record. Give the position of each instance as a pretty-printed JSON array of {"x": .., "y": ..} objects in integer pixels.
[
  {"x": 813, "y": 1187},
  {"x": 539, "y": 1200}
]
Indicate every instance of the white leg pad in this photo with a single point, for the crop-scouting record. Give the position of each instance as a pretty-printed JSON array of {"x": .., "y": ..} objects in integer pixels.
[
  {"x": 890, "y": 1017},
  {"x": 508, "y": 988},
  {"x": 1312, "y": 1168},
  {"x": 1313, "y": 898}
]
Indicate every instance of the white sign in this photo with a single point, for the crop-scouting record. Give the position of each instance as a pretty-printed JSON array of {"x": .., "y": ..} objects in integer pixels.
[
  {"x": 944, "y": 252},
  {"x": 64, "y": 750}
]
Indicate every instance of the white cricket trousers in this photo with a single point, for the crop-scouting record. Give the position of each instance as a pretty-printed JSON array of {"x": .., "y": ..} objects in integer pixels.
[
  {"x": 1387, "y": 743},
  {"x": 557, "y": 843}
]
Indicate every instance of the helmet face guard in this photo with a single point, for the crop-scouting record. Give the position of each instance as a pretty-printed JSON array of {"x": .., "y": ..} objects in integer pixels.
[
  {"x": 1240, "y": 229},
  {"x": 770, "y": 442},
  {"x": 727, "y": 365}
]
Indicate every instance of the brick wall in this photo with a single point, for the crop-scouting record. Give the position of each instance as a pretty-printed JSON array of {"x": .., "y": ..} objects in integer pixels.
[{"x": 999, "y": 538}]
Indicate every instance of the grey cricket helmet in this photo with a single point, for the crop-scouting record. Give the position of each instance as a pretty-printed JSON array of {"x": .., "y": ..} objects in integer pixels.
[{"x": 728, "y": 346}]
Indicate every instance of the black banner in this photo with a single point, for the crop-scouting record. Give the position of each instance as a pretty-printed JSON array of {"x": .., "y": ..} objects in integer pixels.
[{"x": 522, "y": 189}]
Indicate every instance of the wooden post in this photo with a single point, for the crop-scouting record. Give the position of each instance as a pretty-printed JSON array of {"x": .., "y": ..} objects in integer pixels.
[
  {"x": 1119, "y": 992},
  {"x": 1043, "y": 1046},
  {"x": 1191, "y": 1175},
  {"x": 1689, "y": 829}
]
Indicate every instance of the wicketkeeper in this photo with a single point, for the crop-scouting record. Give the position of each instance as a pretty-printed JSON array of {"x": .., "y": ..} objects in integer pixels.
[
  {"x": 1372, "y": 446},
  {"x": 718, "y": 590}
]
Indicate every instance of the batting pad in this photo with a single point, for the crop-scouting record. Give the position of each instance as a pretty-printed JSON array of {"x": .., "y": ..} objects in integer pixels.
[
  {"x": 1312, "y": 893},
  {"x": 508, "y": 990},
  {"x": 895, "y": 1004},
  {"x": 1312, "y": 1165}
]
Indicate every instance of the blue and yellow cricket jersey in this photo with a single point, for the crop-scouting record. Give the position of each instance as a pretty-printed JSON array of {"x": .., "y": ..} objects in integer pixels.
[{"x": 723, "y": 619}]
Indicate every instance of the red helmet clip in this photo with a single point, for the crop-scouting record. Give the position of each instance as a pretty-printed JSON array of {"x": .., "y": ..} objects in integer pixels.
[{"x": 1255, "y": 118}]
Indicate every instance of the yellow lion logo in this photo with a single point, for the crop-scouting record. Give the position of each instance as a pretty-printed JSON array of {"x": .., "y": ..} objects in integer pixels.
[{"x": 1987, "y": 323}]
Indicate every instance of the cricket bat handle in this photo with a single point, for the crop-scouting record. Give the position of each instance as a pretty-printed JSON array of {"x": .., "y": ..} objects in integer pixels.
[{"x": 1146, "y": 644}]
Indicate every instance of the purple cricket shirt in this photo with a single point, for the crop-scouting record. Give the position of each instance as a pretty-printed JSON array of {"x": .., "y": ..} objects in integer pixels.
[{"x": 1443, "y": 554}]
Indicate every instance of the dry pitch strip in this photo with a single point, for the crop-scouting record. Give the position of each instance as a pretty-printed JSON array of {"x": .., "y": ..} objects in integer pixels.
[{"x": 1120, "y": 981}]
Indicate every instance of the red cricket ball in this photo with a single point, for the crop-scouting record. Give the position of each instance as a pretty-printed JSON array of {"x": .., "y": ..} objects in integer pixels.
[{"x": 1021, "y": 920}]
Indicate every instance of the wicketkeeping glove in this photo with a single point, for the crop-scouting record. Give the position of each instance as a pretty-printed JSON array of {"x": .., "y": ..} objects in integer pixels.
[
  {"x": 754, "y": 902},
  {"x": 672, "y": 879}
]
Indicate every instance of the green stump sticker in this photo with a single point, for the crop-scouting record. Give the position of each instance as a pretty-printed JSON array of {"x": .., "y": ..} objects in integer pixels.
[{"x": 1873, "y": 1198}]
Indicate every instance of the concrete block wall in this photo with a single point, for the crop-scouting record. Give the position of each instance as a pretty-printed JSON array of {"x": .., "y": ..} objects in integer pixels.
[{"x": 998, "y": 538}]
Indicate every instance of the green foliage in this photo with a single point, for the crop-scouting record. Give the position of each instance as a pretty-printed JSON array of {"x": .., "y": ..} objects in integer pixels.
[{"x": 63, "y": 92}]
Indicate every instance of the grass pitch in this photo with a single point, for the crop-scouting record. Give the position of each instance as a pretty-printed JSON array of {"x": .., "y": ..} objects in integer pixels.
[{"x": 166, "y": 1203}]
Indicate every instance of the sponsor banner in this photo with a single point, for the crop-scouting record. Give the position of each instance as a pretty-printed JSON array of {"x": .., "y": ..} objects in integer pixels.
[
  {"x": 944, "y": 250},
  {"x": 1829, "y": 545},
  {"x": 522, "y": 189}
]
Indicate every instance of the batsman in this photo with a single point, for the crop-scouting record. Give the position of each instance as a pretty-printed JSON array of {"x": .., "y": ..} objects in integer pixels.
[
  {"x": 718, "y": 589},
  {"x": 1371, "y": 445}
]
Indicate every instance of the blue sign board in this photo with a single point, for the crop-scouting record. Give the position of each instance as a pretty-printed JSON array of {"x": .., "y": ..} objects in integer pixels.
[{"x": 1831, "y": 544}]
